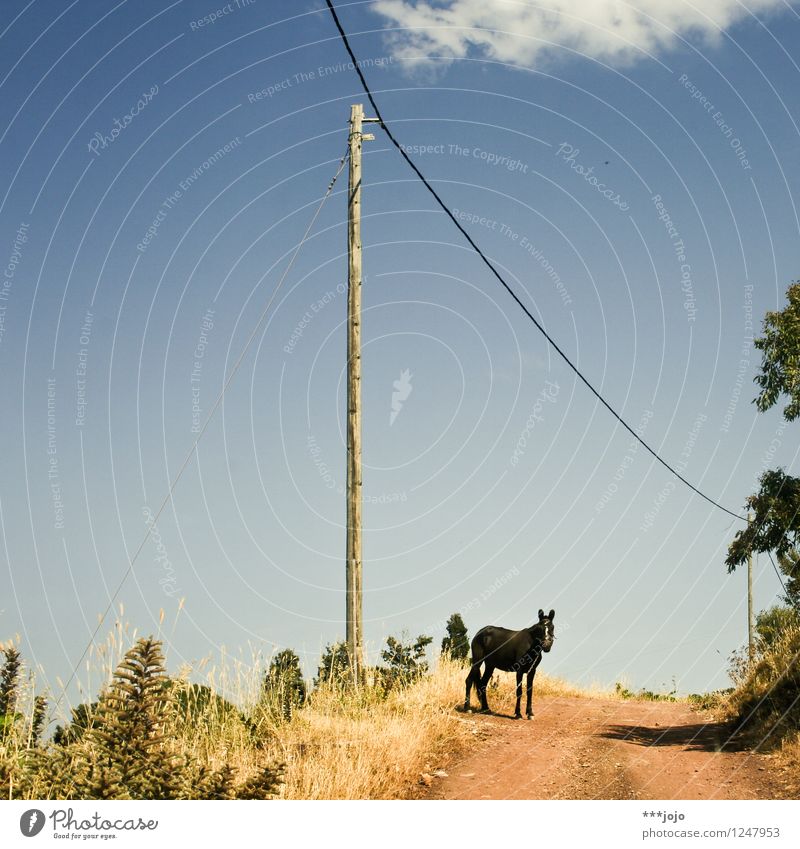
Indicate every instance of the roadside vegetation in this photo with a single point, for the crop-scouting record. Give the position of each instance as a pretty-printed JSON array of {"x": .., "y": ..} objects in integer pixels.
[
  {"x": 242, "y": 734},
  {"x": 765, "y": 701},
  {"x": 250, "y": 734},
  {"x": 257, "y": 729},
  {"x": 245, "y": 733}
]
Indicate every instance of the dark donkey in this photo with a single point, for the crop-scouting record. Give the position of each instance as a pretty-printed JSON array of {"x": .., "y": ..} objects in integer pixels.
[{"x": 511, "y": 651}]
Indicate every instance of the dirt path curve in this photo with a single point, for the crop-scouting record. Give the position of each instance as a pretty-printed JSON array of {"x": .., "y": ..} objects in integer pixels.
[{"x": 584, "y": 748}]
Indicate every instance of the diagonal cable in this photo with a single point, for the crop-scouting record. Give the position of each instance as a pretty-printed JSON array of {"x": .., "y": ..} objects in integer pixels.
[{"x": 505, "y": 285}]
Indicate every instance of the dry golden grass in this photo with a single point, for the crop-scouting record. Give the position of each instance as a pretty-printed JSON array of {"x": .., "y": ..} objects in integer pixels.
[
  {"x": 346, "y": 744},
  {"x": 362, "y": 746},
  {"x": 766, "y": 688},
  {"x": 788, "y": 758}
]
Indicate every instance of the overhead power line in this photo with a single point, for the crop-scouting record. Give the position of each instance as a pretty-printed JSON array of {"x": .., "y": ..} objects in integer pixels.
[
  {"x": 503, "y": 282},
  {"x": 785, "y": 591},
  {"x": 210, "y": 415}
]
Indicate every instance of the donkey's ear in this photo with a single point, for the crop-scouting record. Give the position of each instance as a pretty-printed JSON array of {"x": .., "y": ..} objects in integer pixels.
[
  {"x": 541, "y": 613},
  {"x": 552, "y": 615}
]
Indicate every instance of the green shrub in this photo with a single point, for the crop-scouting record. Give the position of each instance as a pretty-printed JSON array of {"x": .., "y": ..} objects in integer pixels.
[
  {"x": 284, "y": 687},
  {"x": 715, "y": 700},
  {"x": 405, "y": 660},
  {"x": 334, "y": 665},
  {"x": 767, "y": 691},
  {"x": 773, "y": 622},
  {"x": 623, "y": 692}
]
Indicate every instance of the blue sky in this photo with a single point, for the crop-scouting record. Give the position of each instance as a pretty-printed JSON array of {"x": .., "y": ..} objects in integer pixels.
[{"x": 633, "y": 176}]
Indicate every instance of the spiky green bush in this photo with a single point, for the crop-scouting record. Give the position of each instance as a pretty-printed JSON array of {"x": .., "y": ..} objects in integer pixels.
[
  {"x": 9, "y": 689},
  {"x": 130, "y": 756},
  {"x": 133, "y": 743}
]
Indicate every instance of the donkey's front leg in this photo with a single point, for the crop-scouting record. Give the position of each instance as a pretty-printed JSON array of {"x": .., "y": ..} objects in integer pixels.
[
  {"x": 517, "y": 713},
  {"x": 529, "y": 694}
]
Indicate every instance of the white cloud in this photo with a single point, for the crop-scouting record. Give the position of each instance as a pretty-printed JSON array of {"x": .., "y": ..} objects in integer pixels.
[{"x": 523, "y": 32}]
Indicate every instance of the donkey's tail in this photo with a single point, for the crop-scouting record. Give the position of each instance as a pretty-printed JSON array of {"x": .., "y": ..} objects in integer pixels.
[{"x": 480, "y": 646}]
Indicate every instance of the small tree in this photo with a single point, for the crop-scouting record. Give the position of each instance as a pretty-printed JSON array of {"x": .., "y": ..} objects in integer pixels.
[
  {"x": 334, "y": 665},
  {"x": 406, "y": 661},
  {"x": 284, "y": 686},
  {"x": 9, "y": 689},
  {"x": 128, "y": 733},
  {"x": 456, "y": 644}
]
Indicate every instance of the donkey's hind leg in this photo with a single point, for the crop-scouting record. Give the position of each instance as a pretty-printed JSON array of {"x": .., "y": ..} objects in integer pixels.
[
  {"x": 474, "y": 677},
  {"x": 483, "y": 684}
]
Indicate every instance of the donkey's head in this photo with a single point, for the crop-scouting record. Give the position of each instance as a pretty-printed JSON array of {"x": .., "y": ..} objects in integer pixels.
[{"x": 546, "y": 628}]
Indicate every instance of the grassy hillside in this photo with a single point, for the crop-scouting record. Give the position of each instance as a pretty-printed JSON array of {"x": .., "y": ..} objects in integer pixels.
[{"x": 147, "y": 735}]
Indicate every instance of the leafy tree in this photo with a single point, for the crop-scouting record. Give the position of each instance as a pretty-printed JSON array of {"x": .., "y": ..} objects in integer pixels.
[
  {"x": 776, "y": 519},
  {"x": 776, "y": 505},
  {"x": 284, "y": 686},
  {"x": 780, "y": 364},
  {"x": 406, "y": 660},
  {"x": 334, "y": 665},
  {"x": 789, "y": 564},
  {"x": 456, "y": 644}
]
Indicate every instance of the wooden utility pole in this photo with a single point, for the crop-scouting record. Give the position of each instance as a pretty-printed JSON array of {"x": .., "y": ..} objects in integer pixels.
[
  {"x": 751, "y": 646},
  {"x": 355, "y": 630}
]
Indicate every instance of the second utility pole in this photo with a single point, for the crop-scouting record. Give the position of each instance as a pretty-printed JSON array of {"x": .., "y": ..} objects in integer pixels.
[{"x": 355, "y": 629}]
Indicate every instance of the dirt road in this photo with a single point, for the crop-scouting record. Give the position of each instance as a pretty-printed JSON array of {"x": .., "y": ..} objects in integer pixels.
[{"x": 586, "y": 748}]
